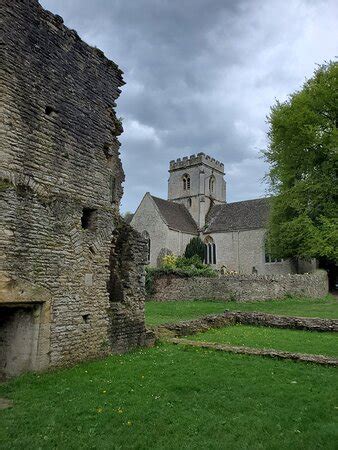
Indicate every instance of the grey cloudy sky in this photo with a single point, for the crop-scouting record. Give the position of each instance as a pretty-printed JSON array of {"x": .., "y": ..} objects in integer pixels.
[{"x": 201, "y": 76}]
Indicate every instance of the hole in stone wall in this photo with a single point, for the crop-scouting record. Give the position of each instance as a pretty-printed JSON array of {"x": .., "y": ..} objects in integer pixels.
[
  {"x": 92, "y": 249},
  {"x": 86, "y": 318},
  {"x": 112, "y": 188},
  {"x": 107, "y": 150},
  {"x": 89, "y": 219},
  {"x": 49, "y": 110}
]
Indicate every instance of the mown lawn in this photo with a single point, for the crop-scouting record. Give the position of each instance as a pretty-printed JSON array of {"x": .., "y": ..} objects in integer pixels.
[
  {"x": 161, "y": 312},
  {"x": 164, "y": 312},
  {"x": 170, "y": 397},
  {"x": 279, "y": 339},
  {"x": 324, "y": 308}
]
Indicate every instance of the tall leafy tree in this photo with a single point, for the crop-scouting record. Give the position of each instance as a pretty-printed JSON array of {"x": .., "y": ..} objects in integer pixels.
[{"x": 302, "y": 153}]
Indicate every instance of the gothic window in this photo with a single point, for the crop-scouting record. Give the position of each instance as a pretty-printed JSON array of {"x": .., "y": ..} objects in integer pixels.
[
  {"x": 211, "y": 184},
  {"x": 186, "y": 182},
  {"x": 146, "y": 236},
  {"x": 209, "y": 250}
]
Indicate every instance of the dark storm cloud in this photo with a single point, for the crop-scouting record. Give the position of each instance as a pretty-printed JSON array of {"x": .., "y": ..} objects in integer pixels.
[{"x": 201, "y": 75}]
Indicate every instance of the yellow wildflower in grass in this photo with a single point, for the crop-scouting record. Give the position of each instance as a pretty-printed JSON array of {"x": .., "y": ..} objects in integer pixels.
[{"x": 129, "y": 423}]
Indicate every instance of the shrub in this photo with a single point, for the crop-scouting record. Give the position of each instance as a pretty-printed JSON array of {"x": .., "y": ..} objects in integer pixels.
[
  {"x": 195, "y": 248},
  {"x": 188, "y": 263},
  {"x": 169, "y": 261},
  {"x": 179, "y": 267}
]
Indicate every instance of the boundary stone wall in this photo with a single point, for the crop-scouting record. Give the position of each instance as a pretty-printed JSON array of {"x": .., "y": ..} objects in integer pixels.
[{"x": 241, "y": 288}]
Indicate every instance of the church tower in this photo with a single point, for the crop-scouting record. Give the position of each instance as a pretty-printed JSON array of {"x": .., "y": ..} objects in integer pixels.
[{"x": 198, "y": 182}]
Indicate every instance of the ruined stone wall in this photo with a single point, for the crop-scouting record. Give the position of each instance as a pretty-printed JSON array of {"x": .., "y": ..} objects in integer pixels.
[
  {"x": 240, "y": 288},
  {"x": 126, "y": 288},
  {"x": 228, "y": 318},
  {"x": 61, "y": 183}
]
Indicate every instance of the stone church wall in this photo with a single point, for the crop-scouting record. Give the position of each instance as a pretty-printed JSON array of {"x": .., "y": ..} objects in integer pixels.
[
  {"x": 241, "y": 288},
  {"x": 147, "y": 218},
  {"x": 241, "y": 251},
  {"x": 60, "y": 190}
]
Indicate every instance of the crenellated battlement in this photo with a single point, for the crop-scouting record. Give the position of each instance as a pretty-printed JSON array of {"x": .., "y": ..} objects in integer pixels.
[{"x": 192, "y": 160}]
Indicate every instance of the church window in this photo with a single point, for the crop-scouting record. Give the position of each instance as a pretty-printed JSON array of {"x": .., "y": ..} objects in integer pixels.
[
  {"x": 189, "y": 202},
  {"x": 146, "y": 236},
  {"x": 209, "y": 250},
  {"x": 186, "y": 182},
  {"x": 211, "y": 184}
]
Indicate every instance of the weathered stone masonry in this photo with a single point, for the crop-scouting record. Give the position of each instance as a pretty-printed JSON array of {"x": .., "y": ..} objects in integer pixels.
[
  {"x": 60, "y": 190},
  {"x": 241, "y": 288}
]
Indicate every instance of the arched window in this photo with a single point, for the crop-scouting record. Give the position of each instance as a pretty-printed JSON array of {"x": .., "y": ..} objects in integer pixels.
[
  {"x": 189, "y": 202},
  {"x": 209, "y": 250},
  {"x": 146, "y": 236},
  {"x": 186, "y": 182},
  {"x": 211, "y": 184}
]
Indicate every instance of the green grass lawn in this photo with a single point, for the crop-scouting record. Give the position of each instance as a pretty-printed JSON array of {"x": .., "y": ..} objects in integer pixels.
[
  {"x": 323, "y": 308},
  {"x": 279, "y": 339},
  {"x": 170, "y": 397},
  {"x": 161, "y": 312},
  {"x": 164, "y": 312}
]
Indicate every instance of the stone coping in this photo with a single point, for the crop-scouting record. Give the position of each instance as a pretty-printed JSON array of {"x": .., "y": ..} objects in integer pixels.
[
  {"x": 227, "y": 318},
  {"x": 304, "y": 357}
]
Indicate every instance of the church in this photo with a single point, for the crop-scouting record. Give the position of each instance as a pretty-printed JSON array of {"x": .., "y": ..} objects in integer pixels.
[{"x": 234, "y": 233}]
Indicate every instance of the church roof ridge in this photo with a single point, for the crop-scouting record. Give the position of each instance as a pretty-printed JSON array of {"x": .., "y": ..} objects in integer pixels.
[
  {"x": 176, "y": 215},
  {"x": 242, "y": 215}
]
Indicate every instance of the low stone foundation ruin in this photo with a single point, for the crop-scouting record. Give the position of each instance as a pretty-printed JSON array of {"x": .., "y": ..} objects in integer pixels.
[
  {"x": 202, "y": 324},
  {"x": 241, "y": 288},
  {"x": 72, "y": 273}
]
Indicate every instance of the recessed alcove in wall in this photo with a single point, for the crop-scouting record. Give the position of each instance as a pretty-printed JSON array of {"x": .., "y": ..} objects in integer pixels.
[
  {"x": 19, "y": 338},
  {"x": 49, "y": 110},
  {"x": 89, "y": 219}
]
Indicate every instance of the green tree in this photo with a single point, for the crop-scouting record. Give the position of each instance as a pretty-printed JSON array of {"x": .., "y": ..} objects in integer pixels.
[
  {"x": 302, "y": 154},
  {"x": 195, "y": 247}
]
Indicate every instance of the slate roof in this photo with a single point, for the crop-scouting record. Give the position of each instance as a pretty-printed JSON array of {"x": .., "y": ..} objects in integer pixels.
[
  {"x": 245, "y": 215},
  {"x": 176, "y": 216}
]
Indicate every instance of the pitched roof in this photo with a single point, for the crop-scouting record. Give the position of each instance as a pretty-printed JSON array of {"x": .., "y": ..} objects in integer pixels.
[
  {"x": 245, "y": 215},
  {"x": 176, "y": 215}
]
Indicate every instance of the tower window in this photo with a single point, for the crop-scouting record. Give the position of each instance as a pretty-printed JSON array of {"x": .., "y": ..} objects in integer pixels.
[
  {"x": 189, "y": 202},
  {"x": 186, "y": 182},
  {"x": 211, "y": 184}
]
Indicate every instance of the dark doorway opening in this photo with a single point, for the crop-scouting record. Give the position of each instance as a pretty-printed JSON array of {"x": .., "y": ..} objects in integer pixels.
[{"x": 332, "y": 273}]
